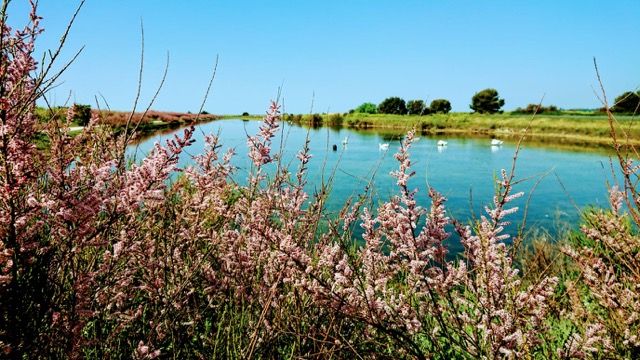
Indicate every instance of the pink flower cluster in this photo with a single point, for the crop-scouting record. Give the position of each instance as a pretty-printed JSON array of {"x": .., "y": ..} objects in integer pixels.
[{"x": 260, "y": 145}]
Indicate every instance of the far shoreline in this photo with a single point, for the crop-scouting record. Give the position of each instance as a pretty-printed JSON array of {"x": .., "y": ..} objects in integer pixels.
[{"x": 585, "y": 130}]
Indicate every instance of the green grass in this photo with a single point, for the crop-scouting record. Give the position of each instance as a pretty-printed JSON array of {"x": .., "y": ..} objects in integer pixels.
[
  {"x": 584, "y": 128},
  {"x": 250, "y": 117}
]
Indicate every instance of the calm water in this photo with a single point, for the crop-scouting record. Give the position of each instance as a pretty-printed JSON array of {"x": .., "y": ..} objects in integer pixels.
[{"x": 463, "y": 171}]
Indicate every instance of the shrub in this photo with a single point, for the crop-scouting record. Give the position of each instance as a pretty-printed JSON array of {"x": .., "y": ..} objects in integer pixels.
[
  {"x": 245, "y": 114},
  {"x": 359, "y": 124},
  {"x": 605, "y": 299},
  {"x": 425, "y": 126},
  {"x": 80, "y": 114},
  {"x": 366, "y": 108},
  {"x": 335, "y": 120},
  {"x": 294, "y": 118},
  {"x": 605, "y": 290},
  {"x": 537, "y": 109},
  {"x": 313, "y": 120}
]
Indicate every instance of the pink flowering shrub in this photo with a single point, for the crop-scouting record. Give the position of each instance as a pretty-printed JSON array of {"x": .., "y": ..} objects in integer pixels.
[
  {"x": 105, "y": 258},
  {"x": 606, "y": 299},
  {"x": 605, "y": 286},
  {"x": 399, "y": 284}
]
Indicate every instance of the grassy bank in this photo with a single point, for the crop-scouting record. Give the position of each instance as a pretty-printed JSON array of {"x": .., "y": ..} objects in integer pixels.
[
  {"x": 243, "y": 117},
  {"x": 578, "y": 129}
]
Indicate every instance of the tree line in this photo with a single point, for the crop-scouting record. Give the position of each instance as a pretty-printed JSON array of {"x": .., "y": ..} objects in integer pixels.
[
  {"x": 397, "y": 105},
  {"x": 486, "y": 101}
]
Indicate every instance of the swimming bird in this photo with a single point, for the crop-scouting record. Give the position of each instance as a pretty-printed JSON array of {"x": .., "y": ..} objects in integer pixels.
[
  {"x": 442, "y": 143},
  {"x": 496, "y": 142},
  {"x": 345, "y": 141},
  {"x": 384, "y": 146}
]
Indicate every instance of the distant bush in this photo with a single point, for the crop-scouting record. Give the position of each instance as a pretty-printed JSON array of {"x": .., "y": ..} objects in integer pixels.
[
  {"x": 440, "y": 106},
  {"x": 334, "y": 120},
  {"x": 627, "y": 102},
  {"x": 359, "y": 124},
  {"x": 313, "y": 120},
  {"x": 81, "y": 114},
  {"x": 415, "y": 107},
  {"x": 393, "y": 105},
  {"x": 534, "y": 109},
  {"x": 245, "y": 114},
  {"x": 486, "y": 102},
  {"x": 294, "y": 118},
  {"x": 367, "y": 108}
]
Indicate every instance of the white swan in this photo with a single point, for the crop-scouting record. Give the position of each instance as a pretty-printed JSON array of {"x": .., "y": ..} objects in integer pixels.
[
  {"x": 384, "y": 146},
  {"x": 442, "y": 143},
  {"x": 496, "y": 142}
]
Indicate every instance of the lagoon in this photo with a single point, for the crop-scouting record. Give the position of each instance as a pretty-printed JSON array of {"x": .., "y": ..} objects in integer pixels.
[{"x": 557, "y": 183}]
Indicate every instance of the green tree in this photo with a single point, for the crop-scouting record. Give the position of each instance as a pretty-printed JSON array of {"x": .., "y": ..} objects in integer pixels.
[
  {"x": 415, "y": 107},
  {"x": 442, "y": 106},
  {"x": 393, "y": 105},
  {"x": 628, "y": 102},
  {"x": 486, "y": 102},
  {"x": 367, "y": 108},
  {"x": 81, "y": 114}
]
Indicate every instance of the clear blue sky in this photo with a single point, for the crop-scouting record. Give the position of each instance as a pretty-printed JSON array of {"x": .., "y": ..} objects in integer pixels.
[{"x": 346, "y": 52}]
